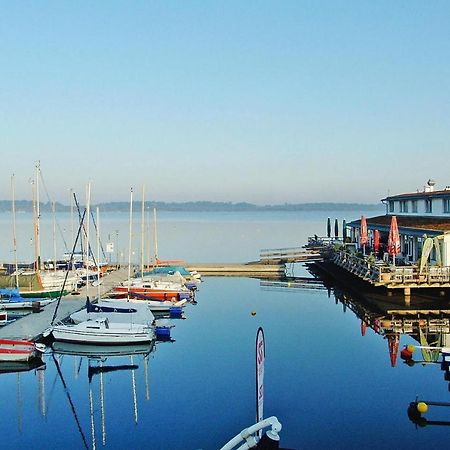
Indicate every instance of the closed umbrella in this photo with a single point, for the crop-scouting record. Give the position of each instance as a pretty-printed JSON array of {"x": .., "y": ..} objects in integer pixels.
[
  {"x": 344, "y": 230},
  {"x": 336, "y": 228},
  {"x": 376, "y": 241},
  {"x": 394, "y": 239},
  {"x": 363, "y": 235},
  {"x": 328, "y": 227}
]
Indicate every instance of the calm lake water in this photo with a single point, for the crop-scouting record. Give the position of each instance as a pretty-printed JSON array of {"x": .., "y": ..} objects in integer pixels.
[{"x": 329, "y": 386}]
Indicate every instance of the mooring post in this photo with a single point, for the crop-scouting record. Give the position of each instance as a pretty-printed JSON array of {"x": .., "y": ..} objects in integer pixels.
[{"x": 407, "y": 293}]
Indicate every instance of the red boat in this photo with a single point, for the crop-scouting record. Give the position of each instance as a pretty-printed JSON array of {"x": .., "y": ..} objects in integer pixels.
[{"x": 20, "y": 350}]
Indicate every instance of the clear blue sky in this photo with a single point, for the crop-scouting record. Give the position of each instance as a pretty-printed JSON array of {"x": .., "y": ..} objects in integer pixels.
[{"x": 258, "y": 101}]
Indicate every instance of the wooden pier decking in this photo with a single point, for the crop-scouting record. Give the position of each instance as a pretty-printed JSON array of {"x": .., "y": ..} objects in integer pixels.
[
  {"x": 288, "y": 255},
  {"x": 33, "y": 325},
  {"x": 255, "y": 269}
]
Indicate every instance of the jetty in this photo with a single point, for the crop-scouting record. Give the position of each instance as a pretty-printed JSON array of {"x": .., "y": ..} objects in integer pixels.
[{"x": 33, "y": 325}]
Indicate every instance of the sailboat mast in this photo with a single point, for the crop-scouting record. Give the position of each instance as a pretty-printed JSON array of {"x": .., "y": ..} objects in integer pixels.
[
  {"x": 35, "y": 228},
  {"x": 86, "y": 254},
  {"x": 38, "y": 217},
  {"x": 155, "y": 237},
  {"x": 142, "y": 231},
  {"x": 71, "y": 217},
  {"x": 129, "y": 242},
  {"x": 98, "y": 253},
  {"x": 54, "y": 235},
  {"x": 13, "y": 193}
]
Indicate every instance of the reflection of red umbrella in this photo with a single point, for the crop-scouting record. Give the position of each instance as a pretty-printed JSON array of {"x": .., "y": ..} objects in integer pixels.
[
  {"x": 363, "y": 236},
  {"x": 394, "y": 239},
  {"x": 376, "y": 241},
  {"x": 393, "y": 343},
  {"x": 363, "y": 328}
]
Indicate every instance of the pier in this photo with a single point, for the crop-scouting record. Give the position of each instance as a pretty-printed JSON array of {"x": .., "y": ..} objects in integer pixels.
[
  {"x": 33, "y": 325},
  {"x": 288, "y": 255},
  {"x": 253, "y": 269}
]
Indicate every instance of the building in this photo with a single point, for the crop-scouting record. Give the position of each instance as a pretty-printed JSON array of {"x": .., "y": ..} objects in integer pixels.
[{"x": 419, "y": 215}]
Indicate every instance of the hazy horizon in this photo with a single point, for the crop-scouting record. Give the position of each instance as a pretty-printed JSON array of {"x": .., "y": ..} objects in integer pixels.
[{"x": 267, "y": 102}]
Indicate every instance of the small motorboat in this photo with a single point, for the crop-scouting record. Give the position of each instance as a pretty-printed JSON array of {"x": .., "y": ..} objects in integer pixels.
[
  {"x": 20, "y": 350},
  {"x": 3, "y": 318}
]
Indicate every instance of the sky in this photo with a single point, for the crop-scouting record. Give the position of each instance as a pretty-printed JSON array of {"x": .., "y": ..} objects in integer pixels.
[{"x": 260, "y": 101}]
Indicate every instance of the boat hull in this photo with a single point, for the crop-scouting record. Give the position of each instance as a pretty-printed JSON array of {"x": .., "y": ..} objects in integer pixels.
[{"x": 103, "y": 333}]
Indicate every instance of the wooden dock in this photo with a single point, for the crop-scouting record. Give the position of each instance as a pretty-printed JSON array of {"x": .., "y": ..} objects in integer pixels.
[
  {"x": 255, "y": 269},
  {"x": 33, "y": 325},
  {"x": 288, "y": 255}
]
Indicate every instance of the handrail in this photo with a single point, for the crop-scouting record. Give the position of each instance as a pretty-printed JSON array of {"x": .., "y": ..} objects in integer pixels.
[{"x": 247, "y": 434}]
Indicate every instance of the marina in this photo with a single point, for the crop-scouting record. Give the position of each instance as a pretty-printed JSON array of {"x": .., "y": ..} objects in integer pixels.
[{"x": 243, "y": 302}]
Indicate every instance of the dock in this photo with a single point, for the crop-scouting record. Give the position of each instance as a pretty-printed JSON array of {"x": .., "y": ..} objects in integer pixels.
[
  {"x": 33, "y": 325},
  {"x": 254, "y": 269}
]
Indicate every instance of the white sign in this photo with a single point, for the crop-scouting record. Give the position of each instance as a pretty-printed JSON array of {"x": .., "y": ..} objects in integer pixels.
[
  {"x": 260, "y": 356},
  {"x": 110, "y": 247}
]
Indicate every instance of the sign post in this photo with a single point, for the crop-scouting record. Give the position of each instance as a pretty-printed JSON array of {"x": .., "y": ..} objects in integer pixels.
[{"x": 260, "y": 357}]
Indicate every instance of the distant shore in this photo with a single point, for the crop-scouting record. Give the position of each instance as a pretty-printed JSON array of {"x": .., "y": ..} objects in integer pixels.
[{"x": 204, "y": 206}]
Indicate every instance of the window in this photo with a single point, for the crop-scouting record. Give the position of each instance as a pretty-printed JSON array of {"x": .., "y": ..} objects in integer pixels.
[
  {"x": 391, "y": 206},
  {"x": 446, "y": 205},
  {"x": 414, "y": 206},
  {"x": 404, "y": 206},
  {"x": 428, "y": 205}
]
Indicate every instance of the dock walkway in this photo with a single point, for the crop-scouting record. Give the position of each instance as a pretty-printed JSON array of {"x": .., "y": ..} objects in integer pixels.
[{"x": 34, "y": 324}]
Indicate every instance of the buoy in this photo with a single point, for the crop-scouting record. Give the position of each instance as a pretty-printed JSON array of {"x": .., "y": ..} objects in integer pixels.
[
  {"x": 253, "y": 313},
  {"x": 405, "y": 354},
  {"x": 422, "y": 407}
]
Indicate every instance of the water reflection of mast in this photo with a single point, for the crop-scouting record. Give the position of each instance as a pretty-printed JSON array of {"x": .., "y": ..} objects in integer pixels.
[
  {"x": 133, "y": 384},
  {"x": 72, "y": 406},
  {"x": 102, "y": 406},
  {"x": 147, "y": 389},
  {"x": 91, "y": 413},
  {"x": 19, "y": 404},
  {"x": 41, "y": 392}
]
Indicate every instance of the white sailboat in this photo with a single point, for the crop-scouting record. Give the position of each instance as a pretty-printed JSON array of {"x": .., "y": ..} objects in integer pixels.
[{"x": 103, "y": 331}]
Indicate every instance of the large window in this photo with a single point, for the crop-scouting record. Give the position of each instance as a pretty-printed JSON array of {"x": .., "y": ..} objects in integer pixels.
[
  {"x": 404, "y": 206},
  {"x": 428, "y": 205},
  {"x": 391, "y": 206},
  {"x": 414, "y": 206},
  {"x": 446, "y": 205}
]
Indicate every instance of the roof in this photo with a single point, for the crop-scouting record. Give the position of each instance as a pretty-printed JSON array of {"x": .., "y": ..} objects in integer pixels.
[
  {"x": 423, "y": 194},
  {"x": 439, "y": 224}
]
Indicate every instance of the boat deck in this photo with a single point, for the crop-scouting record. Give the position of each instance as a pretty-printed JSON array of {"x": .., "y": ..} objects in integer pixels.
[{"x": 33, "y": 325}]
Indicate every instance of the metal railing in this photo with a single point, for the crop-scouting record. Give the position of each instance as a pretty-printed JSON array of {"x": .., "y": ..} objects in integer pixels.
[{"x": 377, "y": 271}]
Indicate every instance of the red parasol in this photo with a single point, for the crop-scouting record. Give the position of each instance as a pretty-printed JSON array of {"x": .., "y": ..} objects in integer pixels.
[
  {"x": 376, "y": 241},
  {"x": 394, "y": 239},
  {"x": 363, "y": 236}
]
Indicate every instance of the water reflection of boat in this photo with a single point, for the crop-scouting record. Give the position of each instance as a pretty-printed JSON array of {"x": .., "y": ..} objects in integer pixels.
[
  {"x": 102, "y": 351},
  {"x": 17, "y": 366},
  {"x": 96, "y": 357}
]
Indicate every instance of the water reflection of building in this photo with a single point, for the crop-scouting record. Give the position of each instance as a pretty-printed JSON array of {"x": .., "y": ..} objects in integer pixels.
[{"x": 423, "y": 320}]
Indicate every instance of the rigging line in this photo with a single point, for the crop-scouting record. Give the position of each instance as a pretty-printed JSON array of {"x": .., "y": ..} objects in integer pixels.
[
  {"x": 72, "y": 406},
  {"x": 51, "y": 201},
  {"x": 96, "y": 230},
  {"x": 90, "y": 252},
  {"x": 67, "y": 271}
]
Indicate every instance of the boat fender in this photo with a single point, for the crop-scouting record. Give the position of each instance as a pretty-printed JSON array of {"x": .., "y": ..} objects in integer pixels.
[
  {"x": 175, "y": 311},
  {"x": 406, "y": 354},
  {"x": 162, "y": 333}
]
